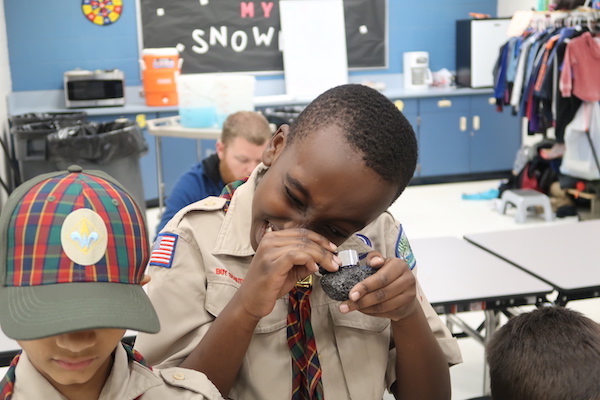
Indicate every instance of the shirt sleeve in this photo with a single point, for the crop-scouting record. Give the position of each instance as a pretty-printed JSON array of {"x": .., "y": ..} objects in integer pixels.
[
  {"x": 178, "y": 295},
  {"x": 398, "y": 245},
  {"x": 566, "y": 75}
]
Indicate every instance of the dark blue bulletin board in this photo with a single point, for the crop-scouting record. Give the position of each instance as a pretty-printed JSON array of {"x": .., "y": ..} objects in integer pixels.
[{"x": 243, "y": 36}]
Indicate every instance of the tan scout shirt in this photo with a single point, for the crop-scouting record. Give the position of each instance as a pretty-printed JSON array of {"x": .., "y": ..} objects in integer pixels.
[
  {"x": 125, "y": 382},
  {"x": 211, "y": 257}
]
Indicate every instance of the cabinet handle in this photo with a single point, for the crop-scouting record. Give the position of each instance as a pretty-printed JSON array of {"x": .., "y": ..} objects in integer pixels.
[
  {"x": 444, "y": 103},
  {"x": 399, "y": 105},
  {"x": 463, "y": 124},
  {"x": 476, "y": 123}
]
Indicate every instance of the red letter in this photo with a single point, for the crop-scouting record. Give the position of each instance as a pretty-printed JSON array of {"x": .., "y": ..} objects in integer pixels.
[
  {"x": 247, "y": 9},
  {"x": 267, "y": 7}
]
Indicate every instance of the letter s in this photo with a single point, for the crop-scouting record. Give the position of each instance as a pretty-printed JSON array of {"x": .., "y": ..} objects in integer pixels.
[{"x": 203, "y": 46}]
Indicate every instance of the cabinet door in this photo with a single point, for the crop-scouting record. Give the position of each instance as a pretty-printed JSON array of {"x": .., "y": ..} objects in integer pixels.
[
  {"x": 444, "y": 136},
  {"x": 495, "y": 136}
]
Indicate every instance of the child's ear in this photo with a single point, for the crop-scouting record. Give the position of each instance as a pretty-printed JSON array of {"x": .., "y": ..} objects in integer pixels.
[
  {"x": 220, "y": 147},
  {"x": 276, "y": 145}
]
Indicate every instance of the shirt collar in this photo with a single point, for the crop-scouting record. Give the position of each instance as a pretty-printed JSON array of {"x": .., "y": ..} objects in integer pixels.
[
  {"x": 122, "y": 383},
  {"x": 30, "y": 384},
  {"x": 210, "y": 166},
  {"x": 234, "y": 235},
  {"x": 125, "y": 382}
]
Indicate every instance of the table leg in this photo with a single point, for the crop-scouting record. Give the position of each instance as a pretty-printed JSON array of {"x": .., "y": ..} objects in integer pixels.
[
  {"x": 159, "y": 174},
  {"x": 491, "y": 324}
]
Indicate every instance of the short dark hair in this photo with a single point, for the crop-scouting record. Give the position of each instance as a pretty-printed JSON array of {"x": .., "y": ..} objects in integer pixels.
[
  {"x": 552, "y": 353},
  {"x": 371, "y": 123}
]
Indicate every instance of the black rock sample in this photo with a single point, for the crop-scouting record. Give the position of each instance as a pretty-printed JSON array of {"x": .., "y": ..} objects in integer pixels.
[{"x": 337, "y": 285}]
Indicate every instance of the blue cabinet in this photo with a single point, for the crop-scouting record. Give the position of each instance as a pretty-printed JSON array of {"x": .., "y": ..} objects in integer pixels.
[
  {"x": 465, "y": 134},
  {"x": 443, "y": 136},
  {"x": 495, "y": 136}
]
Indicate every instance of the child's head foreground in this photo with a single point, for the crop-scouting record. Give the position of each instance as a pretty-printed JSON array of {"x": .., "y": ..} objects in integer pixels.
[
  {"x": 343, "y": 162},
  {"x": 73, "y": 251},
  {"x": 551, "y": 353}
]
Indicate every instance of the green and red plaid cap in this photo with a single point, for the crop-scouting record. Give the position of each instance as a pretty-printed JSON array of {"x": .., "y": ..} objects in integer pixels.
[{"x": 73, "y": 251}]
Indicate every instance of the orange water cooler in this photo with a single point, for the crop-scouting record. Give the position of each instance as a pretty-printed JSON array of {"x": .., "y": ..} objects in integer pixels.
[{"x": 160, "y": 67}]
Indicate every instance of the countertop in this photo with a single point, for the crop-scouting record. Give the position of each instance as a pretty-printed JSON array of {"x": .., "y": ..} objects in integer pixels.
[{"x": 268, "y": 92}]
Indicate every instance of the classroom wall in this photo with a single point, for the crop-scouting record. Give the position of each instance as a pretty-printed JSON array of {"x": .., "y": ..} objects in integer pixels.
[
  {"x": 44, "y": 42},
  {"x": 506, "y": 8},
  {"x": 5, "y": 88}
]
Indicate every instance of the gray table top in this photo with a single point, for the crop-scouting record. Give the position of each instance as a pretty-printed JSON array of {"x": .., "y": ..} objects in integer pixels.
[
  {"x": 565, "y": 255},
  {"x": 452, "y": 270}
]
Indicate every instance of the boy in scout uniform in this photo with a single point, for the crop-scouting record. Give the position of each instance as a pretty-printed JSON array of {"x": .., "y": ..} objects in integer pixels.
[
  {"x": 229, "y": 274},
  {"x": 73, "y": 249}
]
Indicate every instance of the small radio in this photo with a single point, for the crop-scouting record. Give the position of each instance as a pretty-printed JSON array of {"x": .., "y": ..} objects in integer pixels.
[{"x": 99, "y": 88}]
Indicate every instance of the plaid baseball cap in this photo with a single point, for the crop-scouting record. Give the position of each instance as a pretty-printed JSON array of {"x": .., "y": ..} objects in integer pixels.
[{"x": 73, "y": 251}]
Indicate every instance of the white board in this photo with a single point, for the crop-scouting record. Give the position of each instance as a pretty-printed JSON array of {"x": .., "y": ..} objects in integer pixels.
[{"x": 313, "y": 38}]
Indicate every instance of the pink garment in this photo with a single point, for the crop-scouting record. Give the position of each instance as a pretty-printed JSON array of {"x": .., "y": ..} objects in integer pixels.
[{"x": 580, "y": 74}]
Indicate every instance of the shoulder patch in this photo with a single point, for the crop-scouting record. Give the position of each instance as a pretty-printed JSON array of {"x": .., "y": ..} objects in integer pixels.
[
  {"x": 163, "y": 250},
  {"x": 403, "y": 250}
]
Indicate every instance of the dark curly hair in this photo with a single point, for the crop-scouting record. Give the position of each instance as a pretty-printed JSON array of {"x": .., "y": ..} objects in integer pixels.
[{"x": 371, "y": 123}]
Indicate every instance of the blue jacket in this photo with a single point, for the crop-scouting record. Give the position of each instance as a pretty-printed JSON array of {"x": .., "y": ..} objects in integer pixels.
[{"x": 202, "y": 180}]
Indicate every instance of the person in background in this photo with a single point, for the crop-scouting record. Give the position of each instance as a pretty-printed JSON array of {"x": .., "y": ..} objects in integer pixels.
[
  {"x": 244, "y": 137},
  {"x": 235, "y": 278},
  {"x": 551, "y": 353},
  {"x": 73, "y": 251}
]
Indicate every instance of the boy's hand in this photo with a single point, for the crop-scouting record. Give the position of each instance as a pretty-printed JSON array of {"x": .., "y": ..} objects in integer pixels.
[
  {"x": 283, "y": 258},
  {"x": 389, "y": 293}
]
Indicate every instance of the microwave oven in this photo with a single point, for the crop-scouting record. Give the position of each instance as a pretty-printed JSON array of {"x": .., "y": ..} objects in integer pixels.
[{"x": 100, "y": 88}]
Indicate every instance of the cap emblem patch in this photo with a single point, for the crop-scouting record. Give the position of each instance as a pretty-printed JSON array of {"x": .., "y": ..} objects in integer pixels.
[{"x": 84, "y": 237}]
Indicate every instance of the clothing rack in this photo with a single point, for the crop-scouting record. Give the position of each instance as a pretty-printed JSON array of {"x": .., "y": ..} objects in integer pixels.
[
  {"x": 542, "y": 20},
  {"x": 530, "y": 68}
]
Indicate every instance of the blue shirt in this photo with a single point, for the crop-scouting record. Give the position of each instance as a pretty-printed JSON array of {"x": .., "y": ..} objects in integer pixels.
[{"x": 202, "y": 180}]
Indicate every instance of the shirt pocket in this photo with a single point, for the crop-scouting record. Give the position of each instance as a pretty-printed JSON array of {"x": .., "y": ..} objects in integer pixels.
[
  {"x": 276, "y": 320},
  {"x": 357, "y": 320},
  {"x": 362, "y": 340},
  {"x": 219, "y": 293}
]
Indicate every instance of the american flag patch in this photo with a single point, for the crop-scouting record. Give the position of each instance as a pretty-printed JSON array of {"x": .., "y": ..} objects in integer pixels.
[{"x": 163, "y": 250}]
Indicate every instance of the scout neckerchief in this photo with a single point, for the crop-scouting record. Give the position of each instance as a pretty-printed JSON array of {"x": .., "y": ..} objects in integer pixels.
[
  {"x": 306, "y": 369},
  {"x": 229, "y": 189},
  {"x": 7, "y": 385}
]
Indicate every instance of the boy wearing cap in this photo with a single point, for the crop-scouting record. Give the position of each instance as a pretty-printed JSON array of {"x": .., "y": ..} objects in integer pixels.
[{"x": 73, "y": 250}]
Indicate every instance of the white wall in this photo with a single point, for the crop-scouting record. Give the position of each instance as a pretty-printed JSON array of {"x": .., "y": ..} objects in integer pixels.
[
  {"x": 5, "y": 89},
  {"x": 506, "y": 8}
]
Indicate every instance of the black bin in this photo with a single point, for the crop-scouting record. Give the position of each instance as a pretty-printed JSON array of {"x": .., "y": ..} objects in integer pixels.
[{"x": 113, "y": 147}]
